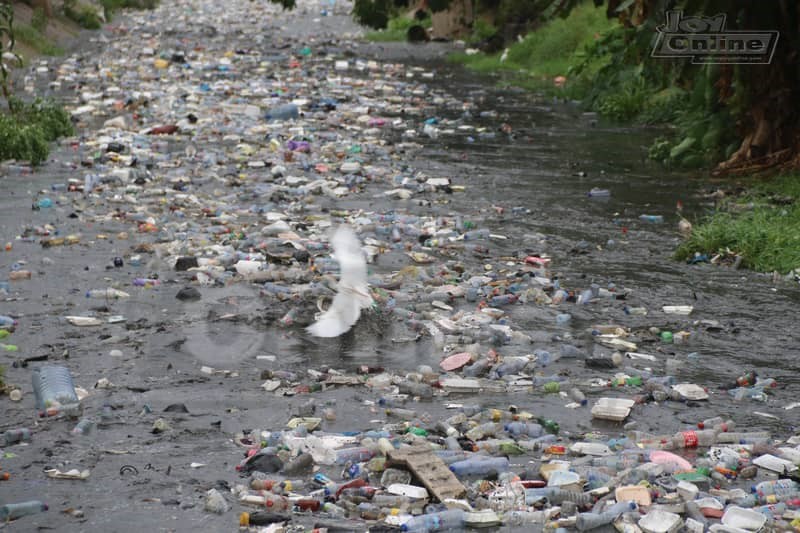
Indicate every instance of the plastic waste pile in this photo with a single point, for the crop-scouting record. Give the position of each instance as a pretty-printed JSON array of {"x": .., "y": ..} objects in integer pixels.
[{"x": 213, "y": 164}]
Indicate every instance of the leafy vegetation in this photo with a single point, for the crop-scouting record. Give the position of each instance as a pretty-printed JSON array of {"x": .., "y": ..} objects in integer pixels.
[
  {"x": 550, "y": 51},
  {"x": 762, "y": 226},
  {"x": 83, "y": 15},
  {"x": 25, "y": 133}
]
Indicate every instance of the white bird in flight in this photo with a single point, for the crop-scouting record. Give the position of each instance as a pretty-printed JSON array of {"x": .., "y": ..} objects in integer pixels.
[{"x": 352, "y": 291}]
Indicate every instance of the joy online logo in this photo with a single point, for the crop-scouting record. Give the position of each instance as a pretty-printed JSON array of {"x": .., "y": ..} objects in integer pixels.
[{"x": 705, "y": 40}]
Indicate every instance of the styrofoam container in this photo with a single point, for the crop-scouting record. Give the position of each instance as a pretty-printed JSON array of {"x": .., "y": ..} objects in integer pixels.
[
  {"x": 741, "y": 518},
  {"x": 412, "y": 491},
  {"x": 690, "y": 391},
  {"x": 660, "y": 522},
  {"x": 709, "y": 503},
  {"x": 688, "y": 491},
  {"x": 616, "y": 409},
  {"x": 590, "y": 448},
  {"x": 637, "y": 493},
  {"x": 547, "y": 469},
  {"x": 776, "y": 464},
  {"x": 721, "y": 528}
]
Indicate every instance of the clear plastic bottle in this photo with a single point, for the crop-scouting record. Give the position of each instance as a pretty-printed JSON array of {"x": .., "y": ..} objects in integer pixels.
[
  {"x": 423, "y": 390},
  {"x": 753, "y": 437},
  {"x": 54, "y": 391},
  {"x": 588, "y": 521},
  {"x": 776, "y": 490},
  {"x": 442, "y": 521},
  {"x": 487, "y": 429},
  {"x": 353, "y": 455},
  {"x": 84, "y": 427},
  {"x": 107, "y": 294},
  {"x": 12, "y": 511},
  {"x": 693, "y": 439},
  {"x": 578, "y": 396},
  {"x": 527, "y": 429},
  {"x": 14, "y": 436},
  {"x": 479, "y": 466},
  {"x": 526, "y": 518}
]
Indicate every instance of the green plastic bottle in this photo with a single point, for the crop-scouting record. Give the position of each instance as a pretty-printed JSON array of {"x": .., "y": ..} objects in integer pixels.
[{"x": 551, "y": 426}]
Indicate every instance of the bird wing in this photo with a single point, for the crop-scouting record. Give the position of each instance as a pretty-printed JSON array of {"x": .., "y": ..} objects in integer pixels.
[
  {"x": 353, "y": 291},
  {"x": 339, "y": 318}
]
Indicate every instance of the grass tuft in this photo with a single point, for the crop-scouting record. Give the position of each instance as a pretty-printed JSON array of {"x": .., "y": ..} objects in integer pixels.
[
  {"x": 34, "y": 38},
  {"x": 763, "y": 227}
]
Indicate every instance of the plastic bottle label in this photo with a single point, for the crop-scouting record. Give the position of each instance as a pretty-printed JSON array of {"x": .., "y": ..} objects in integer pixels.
[{"x": 690, "y": 439}]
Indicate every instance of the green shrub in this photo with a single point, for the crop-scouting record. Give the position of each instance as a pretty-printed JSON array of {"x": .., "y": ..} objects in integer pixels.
[
  {"x": 83, "y": 15},
  {"x": 25, "y": 134},
  {"x": 481, "y": 30},
  {"x": 626, "y": 102}
]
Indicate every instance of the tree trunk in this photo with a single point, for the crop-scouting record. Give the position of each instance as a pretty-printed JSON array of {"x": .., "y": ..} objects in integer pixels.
[{"x": 770, "y": 128}]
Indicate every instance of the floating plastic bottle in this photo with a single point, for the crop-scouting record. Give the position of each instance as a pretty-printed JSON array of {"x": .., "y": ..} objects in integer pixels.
[
  {"x": 12, "y": 511},
  {"x": 442, "y": 521},
  {"x": 84, "y": 427},
  {"x": 15, "y": 436},
  {"x": 54, "y": 391},
  {"x": 652, "y": 219},
  {"x": 693, "y": 439},
  {"x": 107, "y": 294},
  {"x": 526, "y": 518},
  {"x": 589, "y": 521},
  {"x": 776, "y": 490},
  {"x": 479, "y": 466},
  {"x": 527, "y": 429}
]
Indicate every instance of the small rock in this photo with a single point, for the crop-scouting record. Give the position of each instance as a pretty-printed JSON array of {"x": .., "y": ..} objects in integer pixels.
[
  {"x": 176, "y": 408},
  {"x": 188, "y": 294},
  {"x": 185, "y": 263}
]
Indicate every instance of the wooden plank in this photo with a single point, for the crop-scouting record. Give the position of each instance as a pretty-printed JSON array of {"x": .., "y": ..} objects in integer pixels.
[{"x": 434, "y": 474}]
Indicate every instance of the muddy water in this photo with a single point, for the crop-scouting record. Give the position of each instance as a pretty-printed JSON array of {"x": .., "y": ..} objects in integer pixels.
[{"x": 555, "y": 155}]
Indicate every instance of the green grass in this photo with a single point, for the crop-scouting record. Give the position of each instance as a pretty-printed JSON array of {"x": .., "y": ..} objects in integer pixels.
[
  {"x": 32, "y": 37},
  {"x": 83, "y": 15},
  {"x": 762, "y": 226},
  {"x": 550, "y": 50},
  {"x": 396, "y": 30}
]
